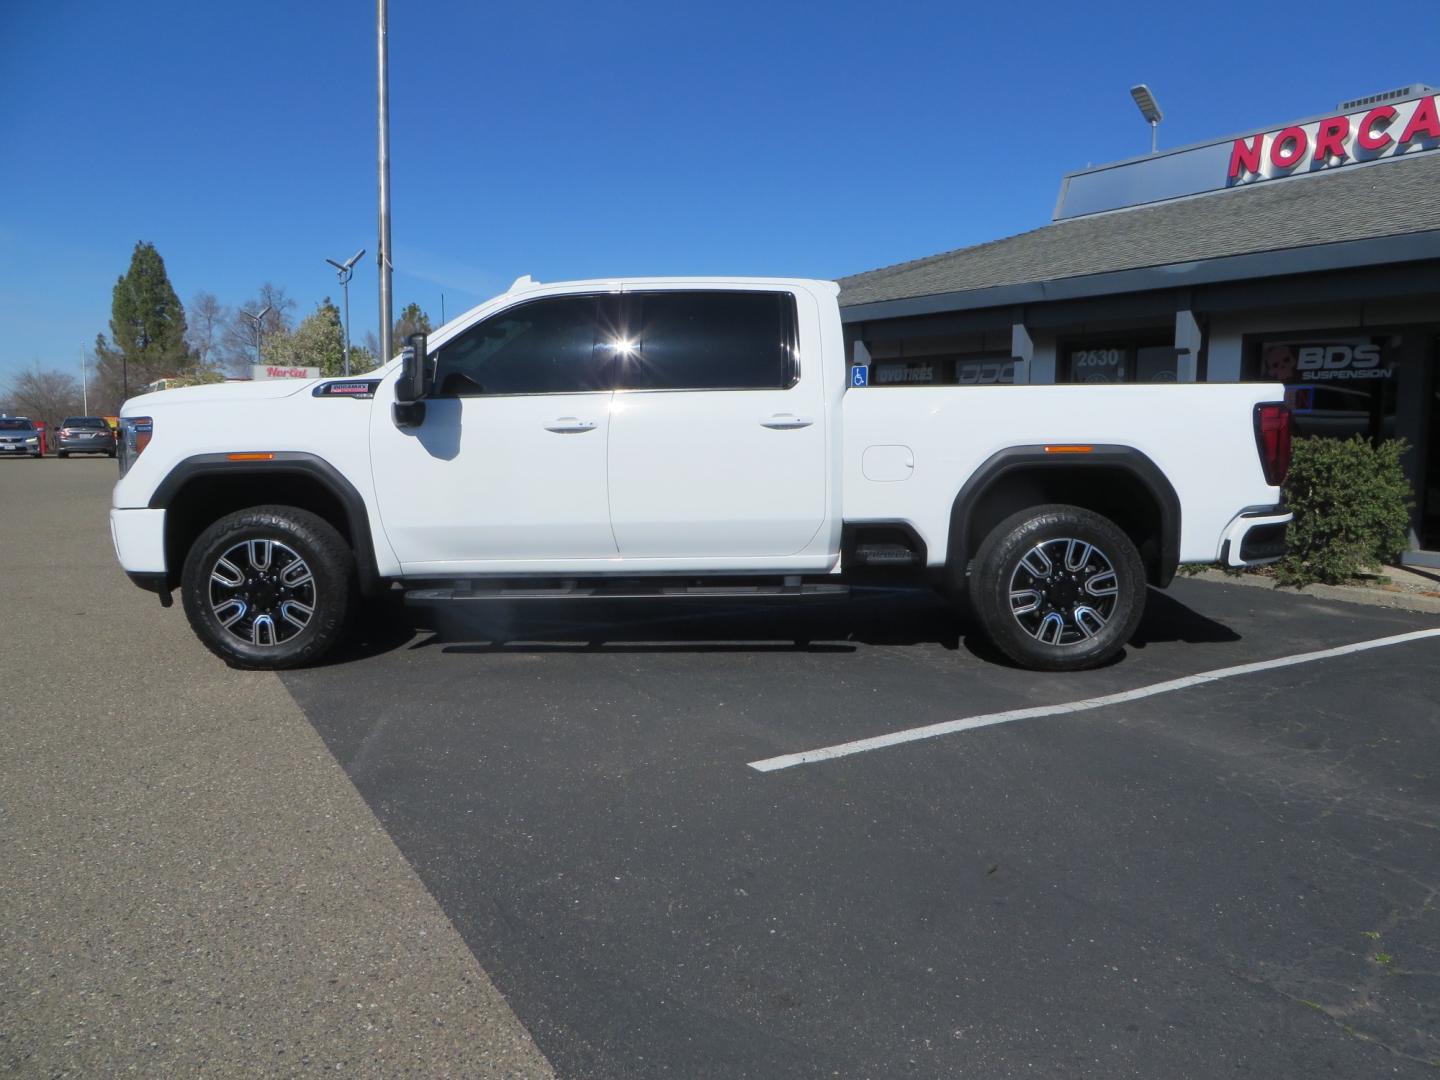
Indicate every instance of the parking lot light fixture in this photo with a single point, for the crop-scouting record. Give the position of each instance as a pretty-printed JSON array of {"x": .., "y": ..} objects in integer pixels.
[
  {"x": 259, "y": 321},
  {"x": 1150, "y": 110},
  {"x": 346, "y": 270}
]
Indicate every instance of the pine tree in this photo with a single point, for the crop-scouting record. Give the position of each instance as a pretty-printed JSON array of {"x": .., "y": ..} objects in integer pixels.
[
  {"x": 412, "y": 321},
  {"x": 147, "y": 330}
]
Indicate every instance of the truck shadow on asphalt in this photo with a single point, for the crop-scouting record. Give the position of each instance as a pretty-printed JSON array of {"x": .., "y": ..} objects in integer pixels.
[{"x": 868, "y": 617}]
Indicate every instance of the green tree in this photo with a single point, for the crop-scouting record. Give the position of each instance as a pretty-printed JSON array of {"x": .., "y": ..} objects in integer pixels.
[
  {"x": 319, "y": 341},
  {"x": 147, "y": 331},
  {"x": 412, "y": 321},
  {"x": 361, "y": 359}
]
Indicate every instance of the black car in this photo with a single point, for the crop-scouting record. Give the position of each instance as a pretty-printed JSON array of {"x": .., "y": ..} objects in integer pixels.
[
  {"x": 18, "y": 437},
  {"x": 84, "y": 435}
]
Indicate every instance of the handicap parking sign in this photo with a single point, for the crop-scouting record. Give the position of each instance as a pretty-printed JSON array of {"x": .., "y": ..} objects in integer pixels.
[{"x": 859, "y": 375}]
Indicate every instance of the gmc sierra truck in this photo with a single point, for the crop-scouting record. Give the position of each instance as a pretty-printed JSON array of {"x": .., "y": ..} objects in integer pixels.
[{"x": 684, "y": 437}]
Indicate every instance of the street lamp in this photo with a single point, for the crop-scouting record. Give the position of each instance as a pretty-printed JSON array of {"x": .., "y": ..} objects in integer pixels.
[
  {"x": 382, "y": 34},
  {"x": 346, "y": 270},
  {"x": 259, "y": 321},
  {"x": 1150, "y": 110}
]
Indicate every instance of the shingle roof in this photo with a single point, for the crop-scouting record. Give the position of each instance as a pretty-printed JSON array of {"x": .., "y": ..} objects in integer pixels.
[{"x": 1385, "y": 199}]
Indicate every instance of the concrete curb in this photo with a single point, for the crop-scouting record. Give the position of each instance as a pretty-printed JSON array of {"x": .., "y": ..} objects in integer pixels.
[{"x": 1348, "y": 594}]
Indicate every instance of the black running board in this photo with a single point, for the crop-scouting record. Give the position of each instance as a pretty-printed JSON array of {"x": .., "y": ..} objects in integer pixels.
[{"x": 625, "y": 591}]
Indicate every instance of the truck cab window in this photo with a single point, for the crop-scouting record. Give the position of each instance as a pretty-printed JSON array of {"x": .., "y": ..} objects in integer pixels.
[
  {"x": 543, "y": 347},
  {"x": 709, "y": 341}
]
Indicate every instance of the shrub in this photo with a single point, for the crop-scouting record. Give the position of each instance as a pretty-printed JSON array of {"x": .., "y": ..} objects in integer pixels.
[{"x": 1351, "y": 504}]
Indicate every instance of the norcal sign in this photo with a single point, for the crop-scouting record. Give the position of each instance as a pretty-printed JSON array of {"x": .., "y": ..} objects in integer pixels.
[
  {"x": 274, "y": 371},
  {"x": 1384, "y": 131}
]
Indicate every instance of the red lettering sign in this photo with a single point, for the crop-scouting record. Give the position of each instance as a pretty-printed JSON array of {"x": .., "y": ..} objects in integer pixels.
[
  {"x": 1423, "y": 121},
  {"x": 1330, "y": 139},
  {"x": 1370, "y": 136},
  {"x": 1366, "y": 135},
  {"x": 1245, "y": 156},
  {"x": 1288, "y": 148}
]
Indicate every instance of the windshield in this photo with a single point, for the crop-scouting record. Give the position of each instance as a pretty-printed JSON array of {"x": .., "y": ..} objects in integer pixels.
[
  {"x": 10, "y": 423},
  {"x": 84, "y": 421}
]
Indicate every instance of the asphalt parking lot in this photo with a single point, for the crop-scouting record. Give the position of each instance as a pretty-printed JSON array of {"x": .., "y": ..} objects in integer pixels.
[{"x": 1237, "y": 877}]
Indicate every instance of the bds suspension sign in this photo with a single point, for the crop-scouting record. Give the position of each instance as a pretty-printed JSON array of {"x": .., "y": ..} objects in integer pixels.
[{"x": 1384, "y": 131}]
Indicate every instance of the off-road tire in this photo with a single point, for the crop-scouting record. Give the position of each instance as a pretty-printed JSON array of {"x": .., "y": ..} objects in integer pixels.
[
  {"x": 998, "y": 574},
  {"x": 300, "y": 533}
]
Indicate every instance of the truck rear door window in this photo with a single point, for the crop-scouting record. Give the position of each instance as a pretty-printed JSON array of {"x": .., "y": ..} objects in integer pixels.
[
  {"x": 550, "y": 346},
  {"x": 708, "y": 341}
]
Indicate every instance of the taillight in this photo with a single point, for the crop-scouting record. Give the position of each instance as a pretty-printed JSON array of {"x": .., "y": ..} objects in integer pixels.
[{"x": 1272, "y": 437}]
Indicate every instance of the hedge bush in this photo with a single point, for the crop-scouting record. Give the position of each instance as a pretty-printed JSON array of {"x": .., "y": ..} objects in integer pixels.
[{"x": 1352, "y": 509}]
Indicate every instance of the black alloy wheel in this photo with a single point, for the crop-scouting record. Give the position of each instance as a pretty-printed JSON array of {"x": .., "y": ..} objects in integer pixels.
[
  {"x": 1058, "y": 588},
  {"x": 270, "y": 587},
  {"x": 262, "y": 592}
]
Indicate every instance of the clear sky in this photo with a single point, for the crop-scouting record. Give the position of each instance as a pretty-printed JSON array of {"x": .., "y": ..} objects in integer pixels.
[{"x": 591, "y": 139}]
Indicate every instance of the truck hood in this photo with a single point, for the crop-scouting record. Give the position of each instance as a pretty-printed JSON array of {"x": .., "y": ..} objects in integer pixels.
[{"x": 259, "y": 390}]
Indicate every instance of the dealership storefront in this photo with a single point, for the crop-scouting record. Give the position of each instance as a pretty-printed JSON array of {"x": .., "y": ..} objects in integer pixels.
[{"x": 1307, "y": 254}]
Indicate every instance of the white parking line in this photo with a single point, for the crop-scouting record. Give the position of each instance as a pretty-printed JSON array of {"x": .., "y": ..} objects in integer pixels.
[{"x": 931, "y": 731}]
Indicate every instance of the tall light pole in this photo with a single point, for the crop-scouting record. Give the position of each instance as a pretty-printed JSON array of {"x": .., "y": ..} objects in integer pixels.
[
  {"x": 1150, "y": 110},
  {"x": 259, "y": 321},
  {"x": 346, "y": 270},
  {"x": 383, "y": 255},
  {"x": 84, "y": 383}
]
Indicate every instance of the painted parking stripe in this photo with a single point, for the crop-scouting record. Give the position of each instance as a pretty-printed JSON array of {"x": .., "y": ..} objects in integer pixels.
[{"x": 969, "y": 723}]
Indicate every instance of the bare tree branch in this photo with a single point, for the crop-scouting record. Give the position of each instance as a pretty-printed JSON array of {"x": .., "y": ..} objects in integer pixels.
[
  {"x": 45, "y": 395},
  {"x": 207, "y": 319}
]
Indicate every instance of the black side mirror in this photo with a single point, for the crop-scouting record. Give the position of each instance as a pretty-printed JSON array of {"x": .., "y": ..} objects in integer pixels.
[
  {"x": 416, "y": 371},
  {"x": 415, "y": 382}
]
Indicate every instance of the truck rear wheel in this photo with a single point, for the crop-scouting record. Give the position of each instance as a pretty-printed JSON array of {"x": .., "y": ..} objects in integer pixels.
[
  {"x": 1058, "y": 588},
  {"x": 270, "y": 587}
]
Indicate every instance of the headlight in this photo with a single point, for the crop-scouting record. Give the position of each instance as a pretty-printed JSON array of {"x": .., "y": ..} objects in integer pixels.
[
  {"x": 35, "y": 438},
  {"x": 135, "y": 432}
]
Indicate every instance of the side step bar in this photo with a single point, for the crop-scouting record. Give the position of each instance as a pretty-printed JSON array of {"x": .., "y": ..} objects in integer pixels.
[{"x": 628, "y": 590}]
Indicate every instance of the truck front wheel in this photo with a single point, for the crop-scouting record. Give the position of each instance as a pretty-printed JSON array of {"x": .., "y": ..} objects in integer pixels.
[
  {"x": 1058, "y": 588},
  {"x": 269, "y": 587}
]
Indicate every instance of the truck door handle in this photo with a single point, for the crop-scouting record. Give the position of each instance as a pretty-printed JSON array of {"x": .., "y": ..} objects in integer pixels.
[
  {"x": 566, "y": 425},
  {"x": 786, "y": 421}
]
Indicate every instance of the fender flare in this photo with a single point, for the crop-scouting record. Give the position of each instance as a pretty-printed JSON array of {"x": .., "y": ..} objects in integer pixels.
[
  {"x": 285, "y": 463},
  {"x": 1014, "y": 458}
]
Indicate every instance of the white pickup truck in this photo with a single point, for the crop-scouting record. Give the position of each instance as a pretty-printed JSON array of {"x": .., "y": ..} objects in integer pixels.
[{"x": 685, "y": 437}]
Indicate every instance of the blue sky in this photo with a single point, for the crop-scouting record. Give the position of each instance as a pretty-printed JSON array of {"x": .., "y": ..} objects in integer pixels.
[{"x": 576, "y": 140}]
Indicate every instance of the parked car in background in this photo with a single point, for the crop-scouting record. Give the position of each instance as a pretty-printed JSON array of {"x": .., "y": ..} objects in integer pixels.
[
  {"x": 85, "y": 435},
  {"x": 18, "y": 436}
]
